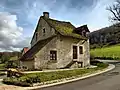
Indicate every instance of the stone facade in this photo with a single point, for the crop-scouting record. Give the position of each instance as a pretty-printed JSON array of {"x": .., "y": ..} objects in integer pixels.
[
  {"x": 49, "y": 31},
  {"x": 63, "y": 45},
  {"x": 29, "y": 64}
]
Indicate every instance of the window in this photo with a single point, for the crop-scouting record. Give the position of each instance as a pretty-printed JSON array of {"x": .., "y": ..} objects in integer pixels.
[
  {"x": 53, "y": 55},
  {"x": 36, "y": 37},
  {"x": 81, "y": 49},
  {"x": 74, "y": 52},
  {"x": 84, "y": 33},
  {"x": 44, "y": 30}
]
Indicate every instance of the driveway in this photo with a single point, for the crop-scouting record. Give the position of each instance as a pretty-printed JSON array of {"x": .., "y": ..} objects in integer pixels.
[{"x": 106, "y": 81}]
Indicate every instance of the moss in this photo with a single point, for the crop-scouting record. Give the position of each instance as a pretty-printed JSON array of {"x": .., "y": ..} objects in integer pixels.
[{"x": 64, "y": 28}]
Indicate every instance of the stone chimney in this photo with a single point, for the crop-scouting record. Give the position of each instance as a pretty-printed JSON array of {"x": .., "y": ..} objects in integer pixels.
[{"x": 46, "y": 14}]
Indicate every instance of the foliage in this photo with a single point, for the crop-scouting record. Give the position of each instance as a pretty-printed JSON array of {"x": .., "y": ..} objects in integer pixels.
[
  {"x": 111, "y": 52},
  {"x": 14, "y": 58},
  {"x": 115, "y": 10},
  {"x": 5, "y": 58},
  {"x": 15, "y": 81},
  {"x": 22, "y": 81},
  {"x": 105, "y": 37},
  {"x": 31, "y": 78},
  {"x": 2, "y": 73},
  {"x": 2, "y": 66},
  {"x": 102, "y": 65},
  {"x": 11, "y": 64}
]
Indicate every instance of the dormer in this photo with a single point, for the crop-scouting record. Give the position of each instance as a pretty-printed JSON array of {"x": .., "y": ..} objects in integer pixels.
[{"x": 83, "y": 30}]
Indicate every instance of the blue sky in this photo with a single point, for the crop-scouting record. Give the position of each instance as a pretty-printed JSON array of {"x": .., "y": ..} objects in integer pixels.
[{"x": 24, "y": 14}]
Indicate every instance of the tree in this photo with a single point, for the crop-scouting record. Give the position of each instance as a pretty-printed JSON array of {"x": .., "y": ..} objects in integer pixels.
[
  {"x": 115, "y": 10},
  {"x": 5, "y": 58}
]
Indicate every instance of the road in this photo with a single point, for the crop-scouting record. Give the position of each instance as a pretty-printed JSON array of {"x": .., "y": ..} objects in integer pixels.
[{"x": 106, "y": 81}]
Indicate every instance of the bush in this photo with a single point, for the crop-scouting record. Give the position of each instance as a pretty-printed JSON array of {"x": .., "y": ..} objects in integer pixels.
[
  {"x": 102, "y": 65},
  {"x": 92, "y": 57},
  {"x": 94, "y": 62},
  {"x": 2, "y": 73},
  {"x": 108, "y": 58},
  {"x": 22, "y": 81}
]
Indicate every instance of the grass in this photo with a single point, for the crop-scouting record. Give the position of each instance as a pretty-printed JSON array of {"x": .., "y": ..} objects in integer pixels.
[
  {"x": 2, "y": 73},
  {"x": 2, "y": 66},
  {"x": 112, "y": 52},
  {"x": 49, "y": 76}
]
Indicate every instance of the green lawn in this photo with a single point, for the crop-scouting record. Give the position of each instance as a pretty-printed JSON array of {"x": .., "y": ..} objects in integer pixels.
[{"x": 112, "y": 52}]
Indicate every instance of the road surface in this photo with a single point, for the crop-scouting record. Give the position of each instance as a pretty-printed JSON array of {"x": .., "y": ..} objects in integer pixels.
[{"x": 106, "y": 81}]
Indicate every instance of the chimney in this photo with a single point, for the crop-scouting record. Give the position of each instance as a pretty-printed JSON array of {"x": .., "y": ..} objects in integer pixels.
[{"x": 46, "y": 14}]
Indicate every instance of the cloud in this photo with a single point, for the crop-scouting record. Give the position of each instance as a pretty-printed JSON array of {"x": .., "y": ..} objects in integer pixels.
[
  {"x": 10, "y": 33},
  {"x": 78, "y": 12},
  {"x": 18, "y": 18},
  {"x": 90, "y": 12},
  {"x": 99, "y": 16}
]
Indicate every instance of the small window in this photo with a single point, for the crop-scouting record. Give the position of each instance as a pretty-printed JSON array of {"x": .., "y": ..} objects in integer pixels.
[
  {"x": 53, "y": 55},
  {"x": 84, "y": 33},
  {"x": 36, "y": 37},
  {"x": 81, "y": 49},
  {"x": 44, "y": 30}
]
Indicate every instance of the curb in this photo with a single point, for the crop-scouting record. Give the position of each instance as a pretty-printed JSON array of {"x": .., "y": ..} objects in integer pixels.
[{"x": 110, "y": 67}]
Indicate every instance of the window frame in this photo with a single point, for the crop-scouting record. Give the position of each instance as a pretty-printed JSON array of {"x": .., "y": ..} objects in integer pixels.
[
  {"x": 36, "y": 36},
  {"x": 80, "y": 49},
  {"x": 53, "y": 55},
  {"x": 75, "y": 56},
  {"x": 44, "y": 30}
]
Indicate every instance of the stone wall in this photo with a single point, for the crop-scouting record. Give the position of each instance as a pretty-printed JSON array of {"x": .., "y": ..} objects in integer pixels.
[
  {"x": 49, "y": 31},
  {"x": 27, "y": 63},
  {"x": 42, "y": 58},
  {"x": 64, "y": 47},
  {"x": 65, "y": 51}
]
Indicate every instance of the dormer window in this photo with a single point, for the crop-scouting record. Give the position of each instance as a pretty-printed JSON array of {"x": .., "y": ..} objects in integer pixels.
[{"x": 84, "y": 33}]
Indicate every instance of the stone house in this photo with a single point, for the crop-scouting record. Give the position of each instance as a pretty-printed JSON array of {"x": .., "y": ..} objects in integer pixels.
[{"x": 57, "y": 44}]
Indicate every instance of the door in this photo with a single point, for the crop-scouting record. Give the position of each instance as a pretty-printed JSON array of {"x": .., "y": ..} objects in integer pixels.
[{"x": 74, "y": 52}]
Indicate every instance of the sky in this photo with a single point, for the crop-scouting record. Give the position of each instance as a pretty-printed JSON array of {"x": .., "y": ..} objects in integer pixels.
[{"x": 18, "y": 18}]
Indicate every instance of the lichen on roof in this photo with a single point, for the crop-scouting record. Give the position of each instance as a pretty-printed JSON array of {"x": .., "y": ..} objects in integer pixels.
[{"x": 64, "y": 28}]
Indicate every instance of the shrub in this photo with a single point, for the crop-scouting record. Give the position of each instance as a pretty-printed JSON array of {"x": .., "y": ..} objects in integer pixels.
[
  {"x": 102, "y": 65},
  {"x": 2, "y": 73},
  {"x": 22, "y": 81}
]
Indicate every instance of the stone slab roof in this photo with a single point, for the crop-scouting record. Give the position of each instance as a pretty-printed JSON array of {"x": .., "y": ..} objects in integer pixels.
[{"x": 64, "y": 28}]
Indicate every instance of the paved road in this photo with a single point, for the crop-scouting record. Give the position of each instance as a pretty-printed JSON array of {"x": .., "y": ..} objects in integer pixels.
[{"x": 106, "y": 81}]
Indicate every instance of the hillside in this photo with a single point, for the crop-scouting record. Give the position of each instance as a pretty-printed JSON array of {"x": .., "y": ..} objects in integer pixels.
[
  {"x": 105, "y": 36},
  {"x": 110, "y": 52}
]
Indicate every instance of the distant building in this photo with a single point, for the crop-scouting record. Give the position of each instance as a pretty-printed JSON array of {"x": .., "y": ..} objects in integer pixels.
[
  {"x": 25, "y": 49},
  {"x": 57, "y": 44}
]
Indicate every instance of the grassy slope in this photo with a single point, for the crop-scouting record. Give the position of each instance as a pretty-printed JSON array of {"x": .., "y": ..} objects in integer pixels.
[{"x": 111, "y": 51}]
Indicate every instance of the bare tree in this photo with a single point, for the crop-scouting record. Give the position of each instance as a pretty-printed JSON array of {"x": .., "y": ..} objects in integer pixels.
[{"x": 115, "y": 10}]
